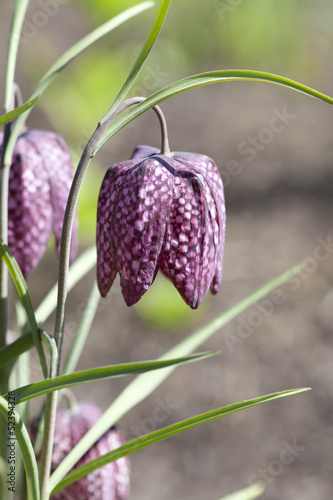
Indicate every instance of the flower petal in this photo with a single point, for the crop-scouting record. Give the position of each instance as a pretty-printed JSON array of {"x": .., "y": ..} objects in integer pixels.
[
  {"x": 29, "y": 207},
  {"x": 139, "y": 223},
  {"x": 58, "y": 166},
  {"x": 205, "y": 166},
  {"x": 189, "y": 254},
  {"x": 112, "y": 182},
  {"x": 110, "y": 482}
]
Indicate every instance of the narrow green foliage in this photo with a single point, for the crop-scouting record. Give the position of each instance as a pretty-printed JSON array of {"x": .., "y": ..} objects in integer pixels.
[
  {"x": 45, "y": 386},
  {"x": 199, "y": 80},
  {"x": 22, "y": 290},
  {"x": 161, "y": 434},
  {"x": 28, "y": 455},
  {"x": 249, "y": 493},
  {"x": 145, "y": 384},
  {"x": 142, "y": 57},
  {"x": 18, "y": 111},
  {"x": 66, "y": 59}
]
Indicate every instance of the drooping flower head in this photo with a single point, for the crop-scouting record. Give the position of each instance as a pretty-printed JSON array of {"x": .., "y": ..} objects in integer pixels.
[
  {"x": 40, "y": 179},
  {"x": 159, "y": 212},
  {"x": 110, "y": 482}
]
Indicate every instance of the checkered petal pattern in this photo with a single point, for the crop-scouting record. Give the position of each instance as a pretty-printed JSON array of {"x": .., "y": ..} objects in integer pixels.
[
  {"x": 110, "y": 482},
  {"x": 156, "y": 212},
  {"x": 39, "y": 182}
]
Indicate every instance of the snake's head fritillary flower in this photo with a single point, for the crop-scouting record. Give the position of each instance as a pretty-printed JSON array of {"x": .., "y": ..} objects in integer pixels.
[
  {"x": 39, "y": 182},
  {"x": 159, "y": 212},
  {"x": 110, "y": 482}
]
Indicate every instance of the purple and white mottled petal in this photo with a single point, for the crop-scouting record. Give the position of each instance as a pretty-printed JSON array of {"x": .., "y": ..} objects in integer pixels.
[
  {"x": 115, "y": 438},
  {"x": 106, "y": 270},
  {"x": 29, "y": 207},
  {"x": 58, "y": 165},
  {"x": 139, "y": 225},
  {"x": 189, "y": 257},
  {"x": 110, "y": 482},
  {"x": 205, "y": 166}
]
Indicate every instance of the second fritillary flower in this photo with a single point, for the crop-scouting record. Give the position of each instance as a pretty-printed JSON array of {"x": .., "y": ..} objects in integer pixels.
[{"x": 39, "y": 182}]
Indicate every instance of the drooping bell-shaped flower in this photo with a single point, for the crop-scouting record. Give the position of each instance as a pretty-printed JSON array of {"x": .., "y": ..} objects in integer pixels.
[
  {"x": 110, "y": 482},
  {"x": 39, "y": 182},
  {"x": 161, "y": 212}
]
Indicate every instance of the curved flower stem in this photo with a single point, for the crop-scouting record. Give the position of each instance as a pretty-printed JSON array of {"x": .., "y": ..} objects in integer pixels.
[{"x": 84, "y": 162}]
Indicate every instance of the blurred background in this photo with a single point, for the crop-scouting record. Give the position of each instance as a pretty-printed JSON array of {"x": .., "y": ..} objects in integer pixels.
[{"x": 274, "y": 150}]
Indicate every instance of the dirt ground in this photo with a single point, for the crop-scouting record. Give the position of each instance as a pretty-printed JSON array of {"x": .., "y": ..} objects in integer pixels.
[{"x": 279, "y": 213}]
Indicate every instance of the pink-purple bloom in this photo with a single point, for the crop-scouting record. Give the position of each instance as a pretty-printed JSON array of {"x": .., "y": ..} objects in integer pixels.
[
  {"x": 110, "y": 482},
  {"x": 158, "y": 212},
  {"x": 40, "y": 179}
]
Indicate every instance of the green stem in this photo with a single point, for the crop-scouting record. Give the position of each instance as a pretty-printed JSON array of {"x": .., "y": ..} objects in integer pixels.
[
  {"x": 50, "y": 417},
  {"x": 26, "y": 448},
  {"x": 4, "y": 371},
  {"x": 72, "y": 205},
  {"x": 15, "y": 30}
]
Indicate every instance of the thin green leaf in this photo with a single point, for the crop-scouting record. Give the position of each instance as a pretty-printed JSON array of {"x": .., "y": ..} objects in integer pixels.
[
  {"x": 3, "y": 478},
  {"x": 66, "y": 59},
  {"x": 14, "y": 39},
  {"x": 83, "y": 330},
  {"x": 145, "y": 384},
  {"x": 102, "y": 373},
  {"x": 142, "y": 57},
  {"x": 159, "y": 435},
  {"x": 22, "y": 290},
  {"x": 28, "y": 455},
  {"x": 192, "y": 82},
  {"x": 78, "y": 269},
  {"x": 92, "y": 38},
  {"x": 18, "y": 111},
  {"x": 249, "y": 493},
  {"x": 24, "y": 343},
  {"x": 53, "y": 350},
  {"x": 16, "y": 348}
]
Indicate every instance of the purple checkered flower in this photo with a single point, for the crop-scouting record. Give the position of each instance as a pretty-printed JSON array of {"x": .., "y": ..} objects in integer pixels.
[
  {"x": 40, "y": 179},
  {"x": 110, "y": 482},
  {"x": 158, "y": 212}
]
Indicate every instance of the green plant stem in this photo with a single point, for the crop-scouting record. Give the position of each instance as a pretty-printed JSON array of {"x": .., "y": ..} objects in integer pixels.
[
  {"x": 27, "y": 451},
  {"x": 72, "y": 205},
  {"x": 15, "y": 31},
  {"x": 50, "y": 416}
]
